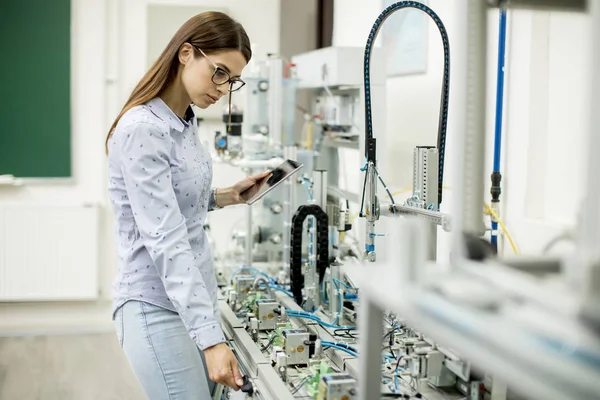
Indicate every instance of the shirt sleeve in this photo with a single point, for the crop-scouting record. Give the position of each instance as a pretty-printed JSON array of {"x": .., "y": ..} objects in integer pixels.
[
  {"x": 145, "y": 154},
  {"x": 211, "y": 201}
]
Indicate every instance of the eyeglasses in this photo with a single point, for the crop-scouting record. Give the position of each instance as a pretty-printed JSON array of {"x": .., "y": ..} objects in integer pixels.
[{"x": 221, "y": 77}]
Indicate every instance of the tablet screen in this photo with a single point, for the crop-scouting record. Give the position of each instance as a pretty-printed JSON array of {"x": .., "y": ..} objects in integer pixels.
[{"x": 278, "y": 175}]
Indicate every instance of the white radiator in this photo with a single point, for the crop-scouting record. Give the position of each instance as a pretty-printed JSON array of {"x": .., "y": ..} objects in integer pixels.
[{"x": 48, "y": 252}]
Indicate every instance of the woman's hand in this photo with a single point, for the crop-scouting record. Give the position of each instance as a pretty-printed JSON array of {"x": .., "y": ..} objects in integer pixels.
[
  {"x": 223, "y": 366},
  {"x": 242, "y": 191}
]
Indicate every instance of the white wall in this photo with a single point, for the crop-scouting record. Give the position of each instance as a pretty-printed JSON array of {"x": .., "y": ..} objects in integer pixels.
[
  {"x": 108, "y": 58},
  {"x": 89, "y": 43},
  {"x": 546, "y": 118},
  {"x": 547, "y": 123}
]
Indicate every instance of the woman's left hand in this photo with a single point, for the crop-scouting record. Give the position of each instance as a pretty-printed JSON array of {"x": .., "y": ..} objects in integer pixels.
[{"x": 242, "y": 191}]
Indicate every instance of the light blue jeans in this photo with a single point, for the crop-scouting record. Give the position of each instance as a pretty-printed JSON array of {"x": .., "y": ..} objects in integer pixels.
[{"x": 165, "y": 360}]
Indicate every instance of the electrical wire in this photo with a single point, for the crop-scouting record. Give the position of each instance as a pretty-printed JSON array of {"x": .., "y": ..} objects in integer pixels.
[
  {"x": 346, "y": 335},
  {"x": 563, "y": 237},
  {"x": 323, "y": 298},
  {"x": 269, "y": 343},
  {"x": 406, "y": 189},
  {"x": 353, "y": 354},
  {"x": 362, "y": 202},
  {"x": 305, "y": 315},
  {"x": 275, "y": 287},
  {"x": 301, "y": 385},
  {"x": 394, "y": 329},
  {"x": 386, "y": 188},
  {"x": 398, "y": 363},
  {"x": 392, "y": 352},
  {"x": 341, "y": 344},
  {"x": 343, "y": 284},
  {"x": 490, "y": 211},
  {"x": 337, "y": 346},
  {"x": 256, "y": 271},
  {"x": 306, "y": 184}
]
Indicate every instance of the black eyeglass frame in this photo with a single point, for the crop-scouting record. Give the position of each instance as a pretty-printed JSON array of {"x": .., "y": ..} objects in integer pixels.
[{"x": 229, "y": 80}]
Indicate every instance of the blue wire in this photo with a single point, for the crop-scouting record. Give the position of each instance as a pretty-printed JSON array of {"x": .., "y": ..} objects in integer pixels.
[
  {"x": 305, "y": 183},
  {"x": 499, "y": 108},
  {"x": 350, "y": 296},
  {"x": 387, "y": 383},
  {"x": 347, "y": 346},
  {"x": 282, "y": 290},
  {"x": 343, "y": 284},
  {"x": 305, "y": 315},
  {"x": 256, "y": 271},
  {"x": 337, "y": 347}
]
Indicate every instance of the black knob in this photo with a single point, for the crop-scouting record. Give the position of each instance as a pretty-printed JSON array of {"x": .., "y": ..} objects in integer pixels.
[{"x": 247, "y": 386}]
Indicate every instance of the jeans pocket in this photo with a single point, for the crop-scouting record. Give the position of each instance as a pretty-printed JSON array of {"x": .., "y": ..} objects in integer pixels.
[{"x": 119, "y": 325}]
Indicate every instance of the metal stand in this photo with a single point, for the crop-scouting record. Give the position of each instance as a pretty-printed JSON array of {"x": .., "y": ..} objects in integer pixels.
[{"x": 529, "y": 356}]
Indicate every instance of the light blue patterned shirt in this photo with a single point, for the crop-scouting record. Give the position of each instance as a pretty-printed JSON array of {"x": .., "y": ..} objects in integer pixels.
[{"x": 159, "y": 184}]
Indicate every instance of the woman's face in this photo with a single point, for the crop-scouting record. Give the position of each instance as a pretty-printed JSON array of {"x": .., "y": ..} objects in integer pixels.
[{"x": 197, "y": 74}]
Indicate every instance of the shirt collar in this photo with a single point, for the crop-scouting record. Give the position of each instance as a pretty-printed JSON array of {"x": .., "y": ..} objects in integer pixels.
[{"x": 162, "y": 111}]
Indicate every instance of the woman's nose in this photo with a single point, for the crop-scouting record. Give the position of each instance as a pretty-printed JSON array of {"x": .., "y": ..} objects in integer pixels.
[{"x": 222, "y": 89}]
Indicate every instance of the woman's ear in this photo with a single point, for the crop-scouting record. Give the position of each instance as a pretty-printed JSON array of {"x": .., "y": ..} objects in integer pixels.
[{"x": 186, "y": 53}]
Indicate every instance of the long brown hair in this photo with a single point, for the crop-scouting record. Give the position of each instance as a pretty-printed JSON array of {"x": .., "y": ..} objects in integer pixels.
[{"x": 211, "y": 31}]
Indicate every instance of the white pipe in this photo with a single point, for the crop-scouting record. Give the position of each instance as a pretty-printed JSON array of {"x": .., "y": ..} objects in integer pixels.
[
  {"x": 275, "y": 98},
  {"x": 468, "y": 203},
  {"x": 584, "y": 272},
  {"x": 255, "y": 164}
]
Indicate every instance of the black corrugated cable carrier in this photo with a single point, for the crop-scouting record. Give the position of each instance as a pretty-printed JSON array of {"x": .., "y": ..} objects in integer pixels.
[
  {"x": 296, "y": 277},
  {"x": 370, "y": 148}
]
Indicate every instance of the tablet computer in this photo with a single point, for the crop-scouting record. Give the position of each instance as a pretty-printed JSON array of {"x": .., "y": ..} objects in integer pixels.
[{"x": 278, "y": 175}]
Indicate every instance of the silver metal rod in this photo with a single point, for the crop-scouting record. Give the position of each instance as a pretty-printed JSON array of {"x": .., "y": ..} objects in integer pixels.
[
  {"x": 289, "y": 152},
  {"x": 372, "y": 213},
  {"x": 320, "y": 188},
  {"x": 249, "y": 238}
]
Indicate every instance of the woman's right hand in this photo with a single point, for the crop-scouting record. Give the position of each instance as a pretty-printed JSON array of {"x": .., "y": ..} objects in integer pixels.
[{"x": 223, "y": 366}]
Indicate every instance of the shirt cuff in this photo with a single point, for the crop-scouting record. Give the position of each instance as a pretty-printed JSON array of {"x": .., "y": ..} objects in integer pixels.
[
  {"x": 209, "y": 335},
  {"x": 212, "y": 200}
]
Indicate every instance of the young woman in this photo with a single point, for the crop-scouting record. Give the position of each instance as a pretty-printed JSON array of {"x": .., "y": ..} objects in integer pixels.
[{"x": 165, "y": 292}]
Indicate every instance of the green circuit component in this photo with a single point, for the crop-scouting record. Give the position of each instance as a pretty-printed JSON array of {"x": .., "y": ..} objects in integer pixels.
[
  {"x": 250, "y": 302},
  {"x": 313, "y": 375},
  {"x": 280, "y": 340}
]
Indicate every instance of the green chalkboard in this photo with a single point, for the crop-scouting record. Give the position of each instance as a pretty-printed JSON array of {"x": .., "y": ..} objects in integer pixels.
[{"x": 35, "y": 100}]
